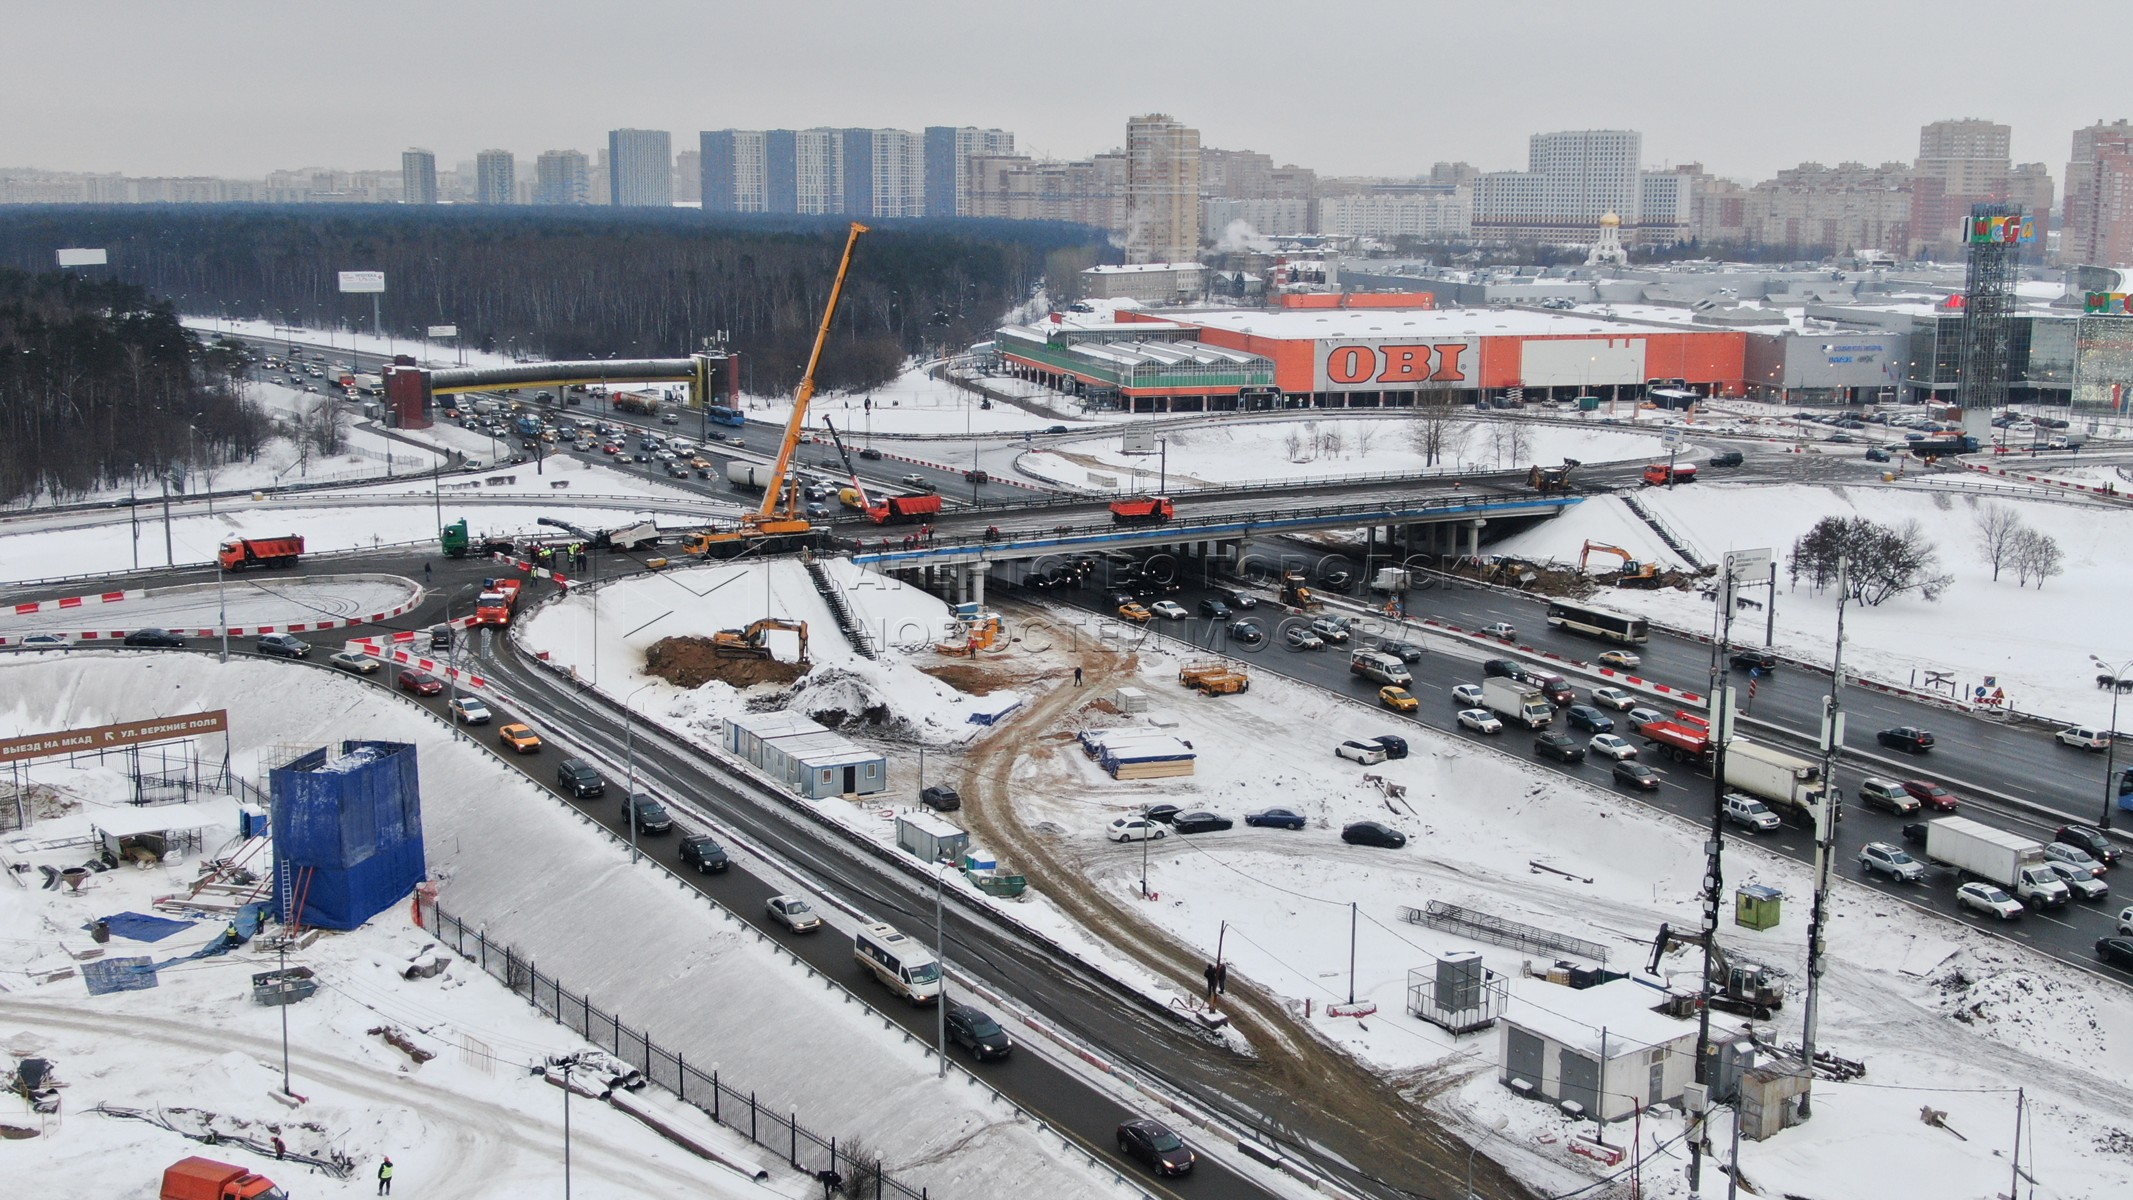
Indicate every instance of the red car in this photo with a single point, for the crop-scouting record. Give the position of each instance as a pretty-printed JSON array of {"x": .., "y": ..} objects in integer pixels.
[
  {"x": 420, "y": 683},
  {"x": 1932, "y": 795},
  {"x": 611, "y": 448}
]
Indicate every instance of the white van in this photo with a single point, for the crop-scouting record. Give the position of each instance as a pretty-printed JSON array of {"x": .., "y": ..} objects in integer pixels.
[
  {"x": 1381, "y": 667},
  {"x": 903, "y": 965}
]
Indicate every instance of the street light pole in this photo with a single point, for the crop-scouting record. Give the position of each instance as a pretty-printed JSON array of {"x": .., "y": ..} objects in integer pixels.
[
  {"x": 629, "y": 754},
  {"x": 1825, "y": 840},
  {"x": 940, "y": 962},
  {"x": 2110, "y": 745}
]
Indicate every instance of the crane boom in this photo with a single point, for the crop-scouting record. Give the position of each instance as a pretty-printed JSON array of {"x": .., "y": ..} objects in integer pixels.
[
  {"x": 857, "y": 487},
  {"x": 805, "y": 392}
]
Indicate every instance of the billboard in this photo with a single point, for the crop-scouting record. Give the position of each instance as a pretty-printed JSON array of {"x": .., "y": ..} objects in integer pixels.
[
  {"x": 442, "y": 331},
  {"x": 76, "y": 256},
  {"x": 2002, "y": 230},
  {"x": 2116, "y": 304},
  {"x": 111, "y": 737},
  {"x": 1377, "y": 364},
  {"x": 362, "y": 281}
]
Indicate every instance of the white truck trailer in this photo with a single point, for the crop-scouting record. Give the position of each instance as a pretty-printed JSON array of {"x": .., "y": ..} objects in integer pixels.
[
  {"x": 1516, "y": 702},
  {"x": 1788, "y": 783},
  {"x": 1997, "y": 856}
]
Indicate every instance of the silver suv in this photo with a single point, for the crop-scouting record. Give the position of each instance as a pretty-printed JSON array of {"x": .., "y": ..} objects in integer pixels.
[
  {"x": 1891, "y": 861},
  {"x": 1888, "y": 796}
]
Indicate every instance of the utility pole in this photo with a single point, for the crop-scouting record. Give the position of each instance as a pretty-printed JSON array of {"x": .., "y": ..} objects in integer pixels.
[
  {"x": 1832, "y": 807},
  {"x": 940, "y": 962},
  {"x": 1714, "y": 847}
]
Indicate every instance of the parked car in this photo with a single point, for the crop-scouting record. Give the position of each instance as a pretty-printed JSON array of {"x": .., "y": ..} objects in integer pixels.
[
  {"x": 1892, "y": 861},
  {"x": 2086, "y": 883},
  {"x": 1275, "y": 818},
  {"x": 576, "y": 776},
  {"x": 1932, "y": 795},
  {"x": 1398, "y": 699},
  {"x": 1614, "y": 698},
  {"x": 974, "y": 1030},
  {"x": 1556, "y": 744},
  {"x": 151, "y": 638},
  {"x": 1621, "y": 660},
  {"x": 703, "y": 852},
  {"x": 1367, "y": 753},
  {"x": 1151, "y": 1143},
  {"x": 1607, "y": 745},
  {"x": 649, "y": 815},
  {"x": 1589, "y": 719},
  {"x": 1467, "y": 695},
  {"x": 1749, "y": 813},
  {"x": 1989, "y": 900},
  {"x": 1480, "y": 720},
  {"x": 1394, "y": 746},
  {"x": 1887, "y": 795},
  {"x": 1166, "y": 813},
  {"x": 468, "y": 710},
  {"x": 1136, "y": 829},
  {"x": 349, "y": 660},
  {"x": 1907, "y": 738},
  {"x": 282, "y": 645},
  {"x": 519, "y": 737},
  {"x": 793, "y": 913},
  {"x": 1632, "y": 773},
  {"x": 2100, "y": 848},
  {"x": 1200, "y": 821},
  {"x": 1244, "y": 633},
  {"x": 1501, "y": 629},
  {"x": 420, "y": 683},
  {"x": 1373, "y": 833},
  {"x": 2083, "y": 738},
  {"x": 1300, "y": 638}
]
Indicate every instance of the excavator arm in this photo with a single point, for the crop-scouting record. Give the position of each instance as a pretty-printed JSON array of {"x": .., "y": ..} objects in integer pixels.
[{"x": 775, "y": 491}]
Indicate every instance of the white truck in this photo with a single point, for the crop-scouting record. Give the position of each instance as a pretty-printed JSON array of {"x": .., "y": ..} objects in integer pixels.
[
  {"x": 1392, "y": 579},
  {"x": 1379, "y": 666},
  {"x": 1787, "y": 782},
  {"x": 1997, "y": 856},
  {"x": 755, "y": 476},
  {"x": 1519, "y": 703}
]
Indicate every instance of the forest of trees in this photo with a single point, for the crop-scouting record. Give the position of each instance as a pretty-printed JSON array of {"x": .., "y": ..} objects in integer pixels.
[
  {"x": 100, "y": 387},
  {"x": 572, "y": 283}
]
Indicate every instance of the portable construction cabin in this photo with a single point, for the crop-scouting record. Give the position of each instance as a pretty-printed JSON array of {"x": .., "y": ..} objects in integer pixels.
[
  {"x": 1595, "y": 1052},
  {"x": 1153, "y": 756},
  {"x": 930, "y": 838},
  {"x": 812, "y": 761}
]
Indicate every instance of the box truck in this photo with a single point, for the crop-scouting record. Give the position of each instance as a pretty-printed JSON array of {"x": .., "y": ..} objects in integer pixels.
[
  {"x": 1517, "y": 702},
  {"x": 1997, "y": 856}
]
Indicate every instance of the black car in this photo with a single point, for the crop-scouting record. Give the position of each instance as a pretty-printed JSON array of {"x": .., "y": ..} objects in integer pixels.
[
  {"x": 1371, "y": 833},
  {"x": 941, "y": 797},
  {"x": 1754, "y": 660},
  {"x": 1276, "y": 818},
  {"x": 1201, "y": 821},
  {"x": 1631, "y": 773},
  {"x": 1502, "y": 668},
  {"x": 2117, "y": 951},
  {"x": 649, "y": 815},
  {"x": 1395, "y": 745},
  {"x": 1244, "y": 633},
  {"x": 1559, "y": 745},
  {"x": 1907, "y": 738},
  {"x": 1214, "y": 608},
  {"x": 1152, "y": 1143},
  {"x": 1589, "y": 719},
  {"x": 1055, "y": 429},
  {"x": 1406, "y": 652},
  {"x": 160, "y": 638},
  {"x": 870, "y": 454},
  {"x": 2099, "y": 847},
  {"x": 1236, "y": 597},
  {"x": 1727, "y": 458},
  {"x": 440, "y": 637},
  {"x": 974, "y": 1030},
  {"x": 1876, "y": 454},
  {"x": 704, "y": 853},
  {"x": 576, "y": 776},
  {"x": 1915, "y": 832},
  {"x": 1165, "y": 813}
]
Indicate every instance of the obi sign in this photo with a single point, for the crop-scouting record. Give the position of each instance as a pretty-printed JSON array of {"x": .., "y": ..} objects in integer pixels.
[{"x": 1375, "y": 365}]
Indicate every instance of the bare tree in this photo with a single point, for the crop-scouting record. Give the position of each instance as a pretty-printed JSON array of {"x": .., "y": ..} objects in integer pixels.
[
  {"x": 1294, "y": 444},
  {"x": 1436, "y": 435},
  {"x": 2036, "y": 555},
  {"x": 1510, "y": 440},
  {"x": 1999, "y": 529},
  {"x": 1886, "y": 561}
]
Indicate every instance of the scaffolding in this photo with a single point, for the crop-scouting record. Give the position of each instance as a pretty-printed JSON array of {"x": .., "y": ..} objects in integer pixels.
[{"x": 1988, "y": 302}]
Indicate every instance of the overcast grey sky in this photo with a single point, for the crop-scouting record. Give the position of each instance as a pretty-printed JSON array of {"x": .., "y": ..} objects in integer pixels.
[{"x": 232, "y": 87}]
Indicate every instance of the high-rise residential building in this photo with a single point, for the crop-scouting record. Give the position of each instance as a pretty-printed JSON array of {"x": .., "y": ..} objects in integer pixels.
[
  {"x": 1666, "y": 206},
  {"x": 689, "y": 177},
  {"x": 2079, "y": 229},
  {"x": 1960, "y": 163},
  {"x": 2099, "y": 225},
  {"x": 1091, "y": 191},
  {"x": 560, "y": 177},
  {"x": 884, "y": 173},
  {"x": 949, "y": 150},
  {"x": 1162, "y": 190},
  {"x": 732, "y": 163},
  {"x": 418, "y": 177},
  {"x": 2030, "y": 188},
  {"x": 1571, "y": 180},
  {"x": 495, "y": 177},
  {"x": 1812, "y": 210},
  {"x": 640, "y": 166},
  {"x": 600, "y": 181},
  {"x": 1431, "y": 214}
]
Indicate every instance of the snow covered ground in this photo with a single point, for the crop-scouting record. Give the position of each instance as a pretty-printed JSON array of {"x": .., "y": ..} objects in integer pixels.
[
  {"x": 433, "y": 354},
  {"x": 247, "y": 600},
  {"x": 916, "y": 403},
  {"x": 2036, "y": 643}
]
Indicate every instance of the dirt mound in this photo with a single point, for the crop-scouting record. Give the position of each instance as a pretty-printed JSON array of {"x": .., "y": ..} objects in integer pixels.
[{"x": 692, "y": 662}]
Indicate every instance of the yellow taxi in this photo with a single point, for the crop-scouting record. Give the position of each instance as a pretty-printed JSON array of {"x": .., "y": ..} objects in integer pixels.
[
  {"x": 1133, "y": 611},
  {"x": 520, "y": 738},
  {"x": 1398, "y": 699}
]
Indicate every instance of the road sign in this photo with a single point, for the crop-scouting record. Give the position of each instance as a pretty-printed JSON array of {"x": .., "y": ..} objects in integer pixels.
[
  {"x": 439, "y": 330},
  {"x": 1744, "y": 568},
  {"x": 362, "y": 281},
  {"x": 76, "y": 256}
]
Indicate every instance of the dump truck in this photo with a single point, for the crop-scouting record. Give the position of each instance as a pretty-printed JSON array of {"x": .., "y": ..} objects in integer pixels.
[
  {"x": 1214, "y": 678},
  {"x": 1997, "y": 856},
  {"x": 499, "y": 599},
  {"x": 1142, "y": 510},
  {"x": 1519, "y": 703},
  {"x": 1681, "y": 741},
  {"x": 895, "y": 510},
  {"x": 199, "y": 1178},
  {"x": 1788, "y": 783},
  {"x": 239, "y": 553}
]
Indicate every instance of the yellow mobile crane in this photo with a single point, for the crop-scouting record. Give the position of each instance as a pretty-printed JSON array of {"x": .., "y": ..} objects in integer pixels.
[{"x": 779, "y": 516}]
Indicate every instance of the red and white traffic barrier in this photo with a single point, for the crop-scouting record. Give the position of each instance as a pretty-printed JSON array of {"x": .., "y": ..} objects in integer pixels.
[
  {"x": 38, "y": 606},
  {"x": 119, "y": 635}
]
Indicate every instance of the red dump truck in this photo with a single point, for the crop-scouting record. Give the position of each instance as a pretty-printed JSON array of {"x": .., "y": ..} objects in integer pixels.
[
  {"x": 499, "y": 599},
  {"x": 898, "y": 509},
  {"x": 1142, "y": 510},
  {"x": 199, "y": 1178},
  {"x": 1682, "y": 739},
  {"x": 238, "y": 553}
]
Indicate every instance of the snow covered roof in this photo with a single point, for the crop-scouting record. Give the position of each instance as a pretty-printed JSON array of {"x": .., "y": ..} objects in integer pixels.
[
  {"x": 1309, "y": 323},
  {"x": 1142, "y": 268},
  {"x": 1576, "y": 1017}
]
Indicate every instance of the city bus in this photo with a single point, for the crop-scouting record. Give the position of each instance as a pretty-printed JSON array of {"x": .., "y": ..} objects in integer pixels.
[
  {"x": 902, "y": 965},
  {"x": 1598, "y": 622}
]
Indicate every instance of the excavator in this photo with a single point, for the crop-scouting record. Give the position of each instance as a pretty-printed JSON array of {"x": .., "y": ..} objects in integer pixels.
[
  {"x": 752, "y": 642},
  {"x": 1548, "y": 480},
  {"x": 779, "y": 522},
  {"x": 1634, "y": 573},
  {"x": 1735, "y": 985},
  {"x": 1295, "y": 594}
]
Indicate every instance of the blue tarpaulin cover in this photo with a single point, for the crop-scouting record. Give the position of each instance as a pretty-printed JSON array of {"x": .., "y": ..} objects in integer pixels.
[
  {"x": 141, "y": 927},
  {"x": 118, "y": 975}
]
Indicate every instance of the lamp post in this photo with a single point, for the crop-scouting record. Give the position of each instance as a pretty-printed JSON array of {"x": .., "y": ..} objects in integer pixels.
[
  {"x": 629, "y": 755},
  {"x": 940, "y": 963},
  {"x": 1495, "y": 1127},
  {"x": 2110, "y": 747}
]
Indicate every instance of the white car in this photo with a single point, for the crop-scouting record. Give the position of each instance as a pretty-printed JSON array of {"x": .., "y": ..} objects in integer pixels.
[
  {"x": 2125, "y": 921},
  {"x": 1640, "y": 717},
  {"x": 2080, "y": 880},
  {"x": 1303, "y": 639},
  {"x": 47, "y": 641},
  {"x": 1988, "y": 899},
  {"x": 1501, "y": 629},
  {"x": 1614, "y": 698},
  {"x": 1620, "y": 659},
  {"x": 1750, "y": 813},
  {"x": 1330, "y": 628},
  {"x": 2062, "y": 852},
  {"x": 1611, "y": 746},
  {"x": 469, "y": 710},
  {"x": 1137, "y": 829},
  {"x": 1169, "y": 610},
  {"x": 1467, "y": 695},
  {"x": 350, "y": 660},
  {"x": 2083, "y": 739},
  {"x": 1480, "y": 720},
  {"x": 1369, "y": 754},
  {"x": 793, "y": 913}
]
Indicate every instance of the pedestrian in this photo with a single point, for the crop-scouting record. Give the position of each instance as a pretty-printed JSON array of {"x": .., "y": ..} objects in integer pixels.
[
  {"x": 1210, "y": 974},
  {"x": 279, "y": 1149},
  {"x": 1077, "y": 676},
  {"x": 385, "y": 1178},
  {"x": 425, "y": 572},
  {"x": 1222, "y": 978}
]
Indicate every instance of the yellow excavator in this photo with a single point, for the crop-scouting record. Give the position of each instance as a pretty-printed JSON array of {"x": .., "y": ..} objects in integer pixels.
[
  {"x": 752, "y": 642},
  {"x": 1634, "y": 573},
  {"x": 779, "y": 520}
]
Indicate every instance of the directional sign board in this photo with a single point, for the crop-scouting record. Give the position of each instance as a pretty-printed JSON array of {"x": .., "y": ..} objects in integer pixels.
[
  {"x": 362, "y": 281},
  {"x": 1743, "y": 569},
  {"x": 112, "y": 737},
  {"x": 442, "y": 331}
]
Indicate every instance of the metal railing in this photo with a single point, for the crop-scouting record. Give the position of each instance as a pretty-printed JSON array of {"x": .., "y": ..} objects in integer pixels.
[
  {"x": 1529, "y": 938},
  {"x": 766, "y": 1123}
]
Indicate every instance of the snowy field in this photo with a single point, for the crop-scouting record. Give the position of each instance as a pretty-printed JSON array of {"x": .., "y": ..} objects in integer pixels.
[
  {"x": 430, "y": 354},
  {"x": 1329, "y": 448},
  {"x": 511, "y": 858},
  {"x": 915, "y": 403},
  {"x": 2035, "y": 642}
]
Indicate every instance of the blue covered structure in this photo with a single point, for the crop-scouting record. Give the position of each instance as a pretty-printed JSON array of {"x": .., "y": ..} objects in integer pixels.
[{"x": 347, "y": 833}]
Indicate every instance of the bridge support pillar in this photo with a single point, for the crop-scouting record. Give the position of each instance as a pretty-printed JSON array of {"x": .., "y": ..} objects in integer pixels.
[
  {"x": 1474, "y": 537},
  {"x": 978, "y": 571}
]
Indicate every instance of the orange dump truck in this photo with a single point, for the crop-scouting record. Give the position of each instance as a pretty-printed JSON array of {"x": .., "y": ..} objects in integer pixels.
[
  {"x": 205, "y": 1179},
  {"x": 238, "y": 553},
  {"x": 1142, "y": 510}
]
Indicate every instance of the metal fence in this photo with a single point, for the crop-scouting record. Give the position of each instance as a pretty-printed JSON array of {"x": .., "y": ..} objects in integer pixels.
[
  {"x": 1489, "y": 928},
  {"x": 765, "y": 1122}
]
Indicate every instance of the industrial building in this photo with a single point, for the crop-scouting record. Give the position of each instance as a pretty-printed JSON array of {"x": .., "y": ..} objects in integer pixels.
[
  {"x": 801, "y": 754},
  {"x": 1600, "y": 1052}
]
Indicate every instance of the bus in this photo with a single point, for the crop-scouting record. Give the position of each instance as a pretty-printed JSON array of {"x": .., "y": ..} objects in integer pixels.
[
  {"x": 1598, "y": 622},
  {"x": 901, "y": 964}
]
